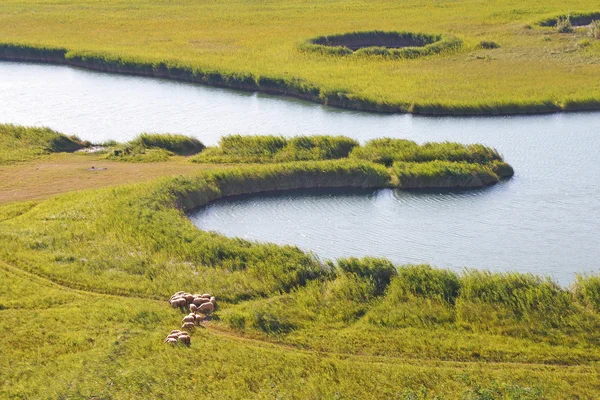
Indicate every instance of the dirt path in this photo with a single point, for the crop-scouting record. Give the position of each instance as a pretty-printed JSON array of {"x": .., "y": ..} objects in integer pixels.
[{"x": 61, "y": 173}]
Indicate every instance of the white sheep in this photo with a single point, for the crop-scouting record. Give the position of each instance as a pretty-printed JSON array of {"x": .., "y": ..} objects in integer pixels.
[
  {"x": 188, "y": 318},
  {"x": 188, "y": 325},
  {"x": 206, "y": 308}
]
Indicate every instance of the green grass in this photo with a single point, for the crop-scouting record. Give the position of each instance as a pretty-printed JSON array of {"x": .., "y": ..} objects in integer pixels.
[
  {"x": 255, "y": 45},
  {"x": 84, "y": 345},
  {"x": 154, "y": 147},
  {"x": 88, "y": 273},
  {"x": 178, "y": 144},
  {"x": 19, "y": 143},
  {"x": 387, "y": 151},
  {"x": 265, "y": 149},
  {"x": 443, "y": 174},
  {"x": 439, "y": 165}
]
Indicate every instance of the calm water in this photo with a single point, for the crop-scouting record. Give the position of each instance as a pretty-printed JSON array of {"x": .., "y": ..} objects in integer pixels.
[{"x": 546, "y": 220}]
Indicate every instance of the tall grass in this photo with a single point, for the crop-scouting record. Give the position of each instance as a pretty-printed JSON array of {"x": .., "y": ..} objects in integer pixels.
[
  {"x": 179, "y": 144},
  {"x": 387, "y": 151},
  {"x": 426, "y": 282},
  {"x": 417, "y": 166},
  {"x": 564, "y": 25},
  {"x": 379, "y": 271},
  {"x": 587, "y": 290},
  {"x": 522, "y": 296},
  {"x": 328, "y": 323},
  {"x": 261, "y": 149},
  {"x": 155, "y": 147},
  {"x": 443, "y": 174},
  {"x": 19, "y": 143}
]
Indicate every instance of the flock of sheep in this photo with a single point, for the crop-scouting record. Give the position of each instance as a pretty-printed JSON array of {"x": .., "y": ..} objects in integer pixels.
[{"x": 199, "y": 305}]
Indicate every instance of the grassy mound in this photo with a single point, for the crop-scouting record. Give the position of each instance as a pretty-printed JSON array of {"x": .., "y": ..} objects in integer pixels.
[
  {"x": 387, "y": 151},
  {"x": 265, "y": 149},
  {"x": 432, "y": 165},
  {"x": 443, "y": 174},
  {"x": 19, "y": 143},
  {"x": 155, "y": 147},
  {"x": 178, "y": 144}
]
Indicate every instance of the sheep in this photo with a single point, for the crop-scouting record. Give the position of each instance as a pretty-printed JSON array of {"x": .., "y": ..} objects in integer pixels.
[
  {"x": 171, "y": 340},
  {"x": 180, "y": 302},
  {"x": 185, "y": 340},
  {"x": 206, "y": 308},
  {"x": 213, "y": 300},
  {"x": 206, "y": 296},
  {"x": 188, "y": 298},
  {"x": 188, "y": 318},
  {"x": 193, "y": 307},
  {"x": 188, "y": 325},
  {"x": 199, "y": 301}
]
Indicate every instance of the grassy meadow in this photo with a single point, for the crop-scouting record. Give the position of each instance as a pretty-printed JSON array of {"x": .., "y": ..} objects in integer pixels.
[
  {"x": 86, "y": 275},
  {"x": 508, "y": 60}
]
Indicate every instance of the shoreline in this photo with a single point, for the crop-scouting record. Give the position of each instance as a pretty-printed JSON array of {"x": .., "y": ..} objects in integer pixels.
[{"x": 293, "y": 87}]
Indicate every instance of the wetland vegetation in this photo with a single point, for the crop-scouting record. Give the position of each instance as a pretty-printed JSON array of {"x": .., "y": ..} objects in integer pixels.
[
  {"x": 87, "y": 262},
  {"x": 87, "y": 274},
  {"x": 530, "y": 70}
]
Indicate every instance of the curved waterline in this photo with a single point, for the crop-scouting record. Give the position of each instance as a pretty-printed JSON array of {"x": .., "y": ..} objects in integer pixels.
[
  {"x": 289, "y": 86},
  {"x": 554, "y": 156}
]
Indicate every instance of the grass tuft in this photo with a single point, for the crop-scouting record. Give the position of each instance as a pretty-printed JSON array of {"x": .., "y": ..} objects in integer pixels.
[
  {"x": 268, "y": 149},
  {"x": 19, "y": 143}
]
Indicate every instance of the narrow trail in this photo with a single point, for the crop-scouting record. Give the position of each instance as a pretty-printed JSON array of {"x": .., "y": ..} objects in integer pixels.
[
  {"x": 65, "y": 285},
  {"x": 387, "y": 360},
  {"x": 268, "y": 345}
]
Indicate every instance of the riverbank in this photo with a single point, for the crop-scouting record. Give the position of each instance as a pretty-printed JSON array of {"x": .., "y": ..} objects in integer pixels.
[
  {"x": 125, "y": 247},
  {"x": 285, "y": 86},
  {"x": 119, "y": 252}
]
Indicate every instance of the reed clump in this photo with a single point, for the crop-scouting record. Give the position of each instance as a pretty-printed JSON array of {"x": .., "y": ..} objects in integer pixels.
[
  {"x": 178, "y": 144},
  {"x": 443, "y": 174},
  {"x": 20, "y": 143},
  {"x": 587, "y": 290},
  {"x": 564, "y": 25},
  {"x": 268, "y": 149},
  {"x": 155, "y": 147},
  {"x": 387, "y": 151}
]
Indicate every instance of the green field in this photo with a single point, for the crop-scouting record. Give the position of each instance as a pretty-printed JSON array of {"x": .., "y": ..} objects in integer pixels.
[
  {"x": 93, "y": 244},
  {"x": 533, "y": 68},
  {"x": 86, "y": 276}
]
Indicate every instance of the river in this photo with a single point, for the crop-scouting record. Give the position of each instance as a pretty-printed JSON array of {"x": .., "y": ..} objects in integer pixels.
[{"x": 546, "y": 220}]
